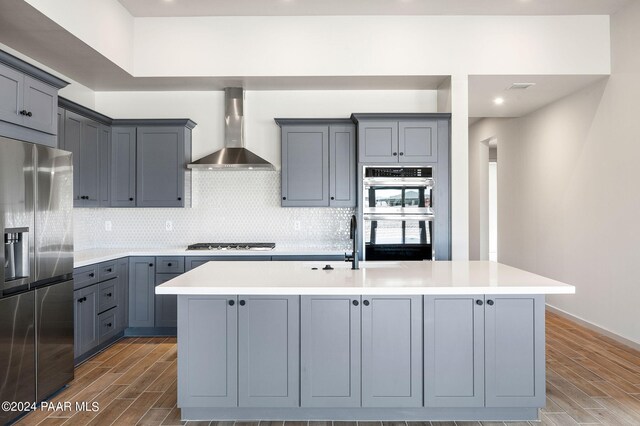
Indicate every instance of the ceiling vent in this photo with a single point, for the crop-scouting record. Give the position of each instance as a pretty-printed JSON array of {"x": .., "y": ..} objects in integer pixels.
[{"x": 521, "y": 86}]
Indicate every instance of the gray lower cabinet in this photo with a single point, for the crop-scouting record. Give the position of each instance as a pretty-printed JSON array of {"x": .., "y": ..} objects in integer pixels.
[
  {"x": 122, "y": 266},
  {"x": 268, "y": 351},
  {"x": 142, "y": 291},
  {"x": 454, "y": 351},
  {"x": 192, "y": 262},
  {"x": 208, "y": 348},
  {"x": 166, "y": 314},
  {"x": 514, "y": 347},
  {"x": 162, "y": 155},
  {"x": 318, "y": 163},
  {"x": 330, "y": 351},
  {"x": 123, "y": 166},
  {"x": 86, "y": 307},
  {"x": 392, "y": 351}
]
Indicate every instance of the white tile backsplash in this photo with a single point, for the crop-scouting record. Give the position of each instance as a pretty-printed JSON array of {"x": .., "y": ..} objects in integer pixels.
[{"x": 227, "y": 206}]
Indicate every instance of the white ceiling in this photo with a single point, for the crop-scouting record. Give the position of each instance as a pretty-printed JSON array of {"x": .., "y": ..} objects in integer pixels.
[
  {"x": 150, "y": 8},
  {"x": 549, "y": 88}
]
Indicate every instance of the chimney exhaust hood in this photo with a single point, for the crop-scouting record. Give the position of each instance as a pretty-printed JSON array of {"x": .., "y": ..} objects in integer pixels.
[{"x": 234, "y": 156}]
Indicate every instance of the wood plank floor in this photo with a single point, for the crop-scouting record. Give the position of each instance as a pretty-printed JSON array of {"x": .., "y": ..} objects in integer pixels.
[{"x": 591, "y": 379}]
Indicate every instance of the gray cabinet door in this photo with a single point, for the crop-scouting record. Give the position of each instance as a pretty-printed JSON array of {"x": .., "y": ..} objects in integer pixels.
[
  {"x": 104, "y": 155},
  {"x": 86, "y": 319},
  {"x": 122, "y": 267},
  {"x": 60, "y": 128},
  {"x": 392, "y": 351},
  {"x": 123, "y": 167},
  {"x": 454, "y": 351},
  {"x": 89, "y": 163},
  {"x": 208, "y": 351},
  {"x": 342, "y": 166},
  {"x": 71, "y": 142},
  {"x": 418, "y": 141},
  {"x": 11, "y": 89},
  {"x": 305, "y": 166},
  {"x": 161, "y": 166},
  {"x": 166, "y": 304},
  {"x": 41, "y": 104},
  {"x": 141, "y": 291},
  {"x": 378, "y": 142},
  {"x": 330, "y": 351},
  {"x": 514, "y": 346},
  {"x": 268, "y": 351}
]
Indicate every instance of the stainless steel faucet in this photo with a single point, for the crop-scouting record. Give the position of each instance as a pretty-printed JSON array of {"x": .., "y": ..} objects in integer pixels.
[{"x": 353, "y": 234}]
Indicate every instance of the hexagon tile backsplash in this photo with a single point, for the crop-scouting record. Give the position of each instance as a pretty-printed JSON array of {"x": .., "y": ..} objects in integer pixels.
[{"x": 227, "y": 206}]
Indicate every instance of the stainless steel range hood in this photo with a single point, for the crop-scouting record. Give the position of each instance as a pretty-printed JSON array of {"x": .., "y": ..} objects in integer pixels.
[{"x": 234, "y": 156}]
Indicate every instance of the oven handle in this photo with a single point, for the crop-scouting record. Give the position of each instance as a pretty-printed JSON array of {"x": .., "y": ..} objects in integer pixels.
[{"x": 400, "y": 217}]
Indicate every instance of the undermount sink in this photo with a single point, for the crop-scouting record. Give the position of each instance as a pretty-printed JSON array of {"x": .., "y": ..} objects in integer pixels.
[{"x": 347, "y": 265}]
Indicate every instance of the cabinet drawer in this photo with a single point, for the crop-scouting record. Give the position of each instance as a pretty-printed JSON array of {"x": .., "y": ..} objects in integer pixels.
[
  {"x": 107, "y": 270},
  {"x": 108, "y": 296},
  {"x": 85, "y": 276},
  {"x": 169, "y": 265},
  {"x": 107, "y": 324}
]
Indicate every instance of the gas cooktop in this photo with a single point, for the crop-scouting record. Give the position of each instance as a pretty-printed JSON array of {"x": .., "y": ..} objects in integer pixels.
[{"x": 232, "y": 246}]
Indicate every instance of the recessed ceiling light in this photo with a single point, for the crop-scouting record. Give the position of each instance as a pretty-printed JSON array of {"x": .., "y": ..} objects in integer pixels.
[{"x": 498, "y": 101}]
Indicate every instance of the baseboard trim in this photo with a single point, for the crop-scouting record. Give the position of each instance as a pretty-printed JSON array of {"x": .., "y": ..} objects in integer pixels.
[{"x": 592, "y": 326}]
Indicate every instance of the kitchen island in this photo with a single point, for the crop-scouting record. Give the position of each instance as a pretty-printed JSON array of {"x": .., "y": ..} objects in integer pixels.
[{"x": 391, "y": 341}]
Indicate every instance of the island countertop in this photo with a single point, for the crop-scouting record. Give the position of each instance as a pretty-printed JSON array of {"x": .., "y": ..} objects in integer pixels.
[{"x": 373, "y": 278}]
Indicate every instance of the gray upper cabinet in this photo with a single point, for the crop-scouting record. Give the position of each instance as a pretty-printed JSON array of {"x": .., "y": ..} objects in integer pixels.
[
  {"x": 514, "y": 347},
  {"x": 90, "y": 143},
  {"x": 28, "y": 101},
  {"x": 41, "y": 106},
  {"x": 11, "y": 90},
  {"x": 268, "y": 351},
  {"x": 305, "y": 166},
  {"x": 401, "y": 138},
  {"x": 392, "y": 351},
  {"x": 123, "y": 167},
  {"x": 142, "y": 292},
  {"x": 342, "y": 165},
  {"x": 60, "y": 140},
  {"x": 208, "y": 347},
  {"x": 330, "y": 351},
  {"x": 378, "y": 142},
  {"x": 104, "y": 157},
  {"x": 162, "y": 157},
  {"x": 418, "y": 141},
  {"x": 454, "y": 351},
  {"x": 318, "y": 163}
]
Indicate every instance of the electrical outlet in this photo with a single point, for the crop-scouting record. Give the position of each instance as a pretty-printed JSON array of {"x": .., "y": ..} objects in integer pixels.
[
  {"x": 168, "y": 225},
  {"x": 296, "y": 225},
  {"x": 107, "y": 225}
]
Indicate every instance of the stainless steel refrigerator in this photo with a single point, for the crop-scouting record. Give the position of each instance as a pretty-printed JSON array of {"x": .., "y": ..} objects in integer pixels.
[{"x": 36, "y": 287}]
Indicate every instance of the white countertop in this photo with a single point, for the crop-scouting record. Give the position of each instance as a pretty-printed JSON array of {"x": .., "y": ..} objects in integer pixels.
[
  {"x": 92, "y": 256},
  {"x": 440, "y": 277}
]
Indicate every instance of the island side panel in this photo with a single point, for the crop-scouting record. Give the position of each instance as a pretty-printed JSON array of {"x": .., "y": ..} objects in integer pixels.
[
  {"x": 515, "y": 350},
  {"x": 392, "y": 351},
  {"x": 207, "y": 351}
]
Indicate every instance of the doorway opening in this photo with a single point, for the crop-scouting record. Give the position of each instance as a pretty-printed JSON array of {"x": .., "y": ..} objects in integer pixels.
[{"x": 493, "y": 199}]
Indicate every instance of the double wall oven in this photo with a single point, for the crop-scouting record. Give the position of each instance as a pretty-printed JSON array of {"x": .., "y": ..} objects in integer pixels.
[{"x": 398, "y": 213}]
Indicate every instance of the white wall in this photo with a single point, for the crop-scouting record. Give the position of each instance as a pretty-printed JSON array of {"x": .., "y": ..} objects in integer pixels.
[
  {"x": 371, "y": 45},
  {"x": 105, "y": 25},
  {"x": 567, "y": 188},
  {"x": 261, "y": 107}
]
